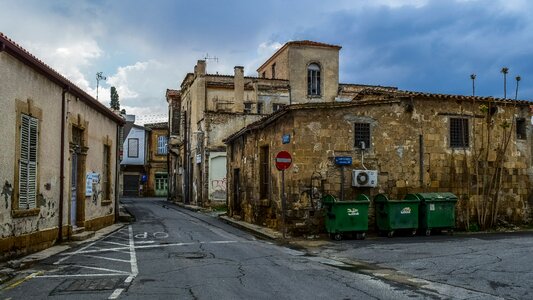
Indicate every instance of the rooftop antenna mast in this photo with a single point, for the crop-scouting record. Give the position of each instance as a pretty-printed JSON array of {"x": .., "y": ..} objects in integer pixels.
[{"x": 213, "y": 58}]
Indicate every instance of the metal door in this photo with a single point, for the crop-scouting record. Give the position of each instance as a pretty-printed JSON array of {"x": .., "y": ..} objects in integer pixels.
[
  {"x": 73, "y": 189},
  {"x": 131, "y": 185}
]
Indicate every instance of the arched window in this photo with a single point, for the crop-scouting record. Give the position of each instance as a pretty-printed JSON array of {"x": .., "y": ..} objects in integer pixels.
[{"x": 313, "y": 79}]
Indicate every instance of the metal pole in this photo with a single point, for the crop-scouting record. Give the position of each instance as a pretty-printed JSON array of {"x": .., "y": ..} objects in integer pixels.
[
  {"x": 283, "y": 201},
  {"x": 342, "y": 183}
]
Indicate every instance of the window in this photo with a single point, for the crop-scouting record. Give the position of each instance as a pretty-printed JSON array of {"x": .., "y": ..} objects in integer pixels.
[
  {"x": 133, "y": 147},
  {"x": 276, "y": 107},
  {"x": 29, "y": 127},
  {"x": 362, "y": 135},
  {"x": 161, "y": 181},
  {"x": 259, "y": 107},
  {"x": 264, "y": 75},
  {"x": 313, "y": 80},
  {"x": 459, "y": 133},
  {"x": 264, "y": 172},
  {"x": 248, "y": 107},
  {"x": 273, "y": 70},
  {"x": 162, "y": 145},
  {"x": 176, "y": 120},
  {"x": 521, "y": 129},
  {"x": 106, "y": 173}
]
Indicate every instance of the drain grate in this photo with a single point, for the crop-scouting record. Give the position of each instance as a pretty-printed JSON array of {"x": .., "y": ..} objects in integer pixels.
[
  {"x": 187, "y": 255},
  {"x": 87, "y": 285}
]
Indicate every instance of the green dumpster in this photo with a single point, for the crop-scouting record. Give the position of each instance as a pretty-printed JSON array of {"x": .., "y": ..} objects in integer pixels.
[
  {"x": 346, "y": 217},
  {"x": 394, "y": 215},
  {"x": 437, "y": 211}
]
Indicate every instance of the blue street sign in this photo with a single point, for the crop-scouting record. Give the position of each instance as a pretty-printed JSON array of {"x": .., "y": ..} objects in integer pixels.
[
  {"x": 343, "y": 160},
  {"x": 286, "y": 139}
]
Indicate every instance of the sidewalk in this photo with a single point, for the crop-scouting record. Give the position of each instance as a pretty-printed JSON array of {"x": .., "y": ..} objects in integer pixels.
[{"x": 9, "y": 269}]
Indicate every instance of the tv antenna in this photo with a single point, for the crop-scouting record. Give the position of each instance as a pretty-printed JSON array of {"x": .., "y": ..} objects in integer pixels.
[{"x": 213, "y": 58}]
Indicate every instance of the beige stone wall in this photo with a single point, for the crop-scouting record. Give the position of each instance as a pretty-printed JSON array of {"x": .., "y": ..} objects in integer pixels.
[
  {"x": 282, "y": 66},
  {"x": 327, "y": 59},
  {"x": 318, "y": 135}
]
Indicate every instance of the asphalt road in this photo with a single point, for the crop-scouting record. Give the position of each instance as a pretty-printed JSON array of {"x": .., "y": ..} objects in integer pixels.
[{"x": 172, "y": 253}]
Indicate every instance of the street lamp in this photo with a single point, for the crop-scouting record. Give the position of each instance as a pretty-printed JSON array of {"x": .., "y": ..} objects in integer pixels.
[{"x": 99, "y": 76}]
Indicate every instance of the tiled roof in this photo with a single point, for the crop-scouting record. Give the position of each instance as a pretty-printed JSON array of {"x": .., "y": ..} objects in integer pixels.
[
  {"x": 14, "y": 49},
  {"x": 160, "y": 125},
  {"x": 172, "y": 93}
]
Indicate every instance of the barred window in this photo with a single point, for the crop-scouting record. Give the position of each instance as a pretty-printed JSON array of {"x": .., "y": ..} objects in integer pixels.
[
  {"x": 162, "y": 145},
  {"x": 106, "y": 173},
  {"x": 29, "y": 127},
  {"x": 521, "y": 129},
  {"x": 264, "y": 172},
  {"x": 259, "y": 107},
  {"x": 362, "y": 135},
  {"x": 459, "y": 133},
  {"x": 248, "y": 107}
]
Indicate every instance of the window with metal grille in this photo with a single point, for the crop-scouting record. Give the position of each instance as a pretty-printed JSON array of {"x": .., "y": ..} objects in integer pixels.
[
  {"x": 161, "y": 181},
  {"x": 459, "y": 133},
  {"x": 264, "y": 172},
  {"x": 259, "y": 107},
  {"x": 362, "y": 135},
  {"x": 313, "y": 80},
  {"x": 106, "y": 173},
  {"x": 29, "y": 127},
  {"x": 521, "y": 129},
  {"x": 133, "y": 147},
  {"x": 162, "y": 145}
]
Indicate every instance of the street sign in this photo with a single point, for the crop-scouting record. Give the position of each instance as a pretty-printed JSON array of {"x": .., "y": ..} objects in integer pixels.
[
  {"x": 286, "y": 139},
  {"x": 283, "y": 160},
  {"x": 343, "y": 160}
]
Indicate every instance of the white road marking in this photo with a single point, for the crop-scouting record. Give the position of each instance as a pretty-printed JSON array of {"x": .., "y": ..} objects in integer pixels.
[
  {"x": 106, "y": 258},
  {"x": 115, "y": 294},
  {"x": 133, "y": 257},
  {"x": 68, "y": 255},
  {"x": 115, "y": 243},
  {"x": 145, "y": 242},
  {"x": 80, "y": 275},
  {"x": 103, "y": 269}
]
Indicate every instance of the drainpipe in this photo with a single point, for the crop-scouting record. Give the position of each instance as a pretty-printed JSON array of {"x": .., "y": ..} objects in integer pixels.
[
  {"x": 117, "y": 170},
  {"x": 169, "y": 180},
  {"x": 62, "y": 163}
]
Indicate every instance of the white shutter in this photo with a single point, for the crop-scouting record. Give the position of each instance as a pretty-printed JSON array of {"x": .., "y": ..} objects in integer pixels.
[{"x": 29, "y": 129}]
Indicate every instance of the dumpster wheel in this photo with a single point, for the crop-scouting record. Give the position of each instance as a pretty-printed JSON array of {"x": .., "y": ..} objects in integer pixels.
[
  {"x": 361, "y": 235},
  {"x": 428, "y": 232},
  {"x": 337, "y": 236},
  {"x": 390, "y": 233}
]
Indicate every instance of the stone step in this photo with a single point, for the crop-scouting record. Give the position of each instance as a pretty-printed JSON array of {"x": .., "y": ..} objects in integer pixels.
[
  {"x": 82, "y": 236},
  {"x": 77, "y": 230}
]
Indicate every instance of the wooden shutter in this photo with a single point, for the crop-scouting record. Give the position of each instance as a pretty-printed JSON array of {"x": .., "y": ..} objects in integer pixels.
[{"x": 29, "y": 128}]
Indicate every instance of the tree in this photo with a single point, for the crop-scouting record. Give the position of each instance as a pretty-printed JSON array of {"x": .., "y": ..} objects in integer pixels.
[{"x": 114, "y": 99}]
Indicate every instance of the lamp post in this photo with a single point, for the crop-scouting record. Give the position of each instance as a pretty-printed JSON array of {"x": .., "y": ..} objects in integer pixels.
[{"x": 99, "y": 76}]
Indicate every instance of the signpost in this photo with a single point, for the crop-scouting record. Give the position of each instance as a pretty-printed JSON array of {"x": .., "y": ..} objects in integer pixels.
[
  {"x": 343, "y": 161},
  {"x": 283, "y": 162}
]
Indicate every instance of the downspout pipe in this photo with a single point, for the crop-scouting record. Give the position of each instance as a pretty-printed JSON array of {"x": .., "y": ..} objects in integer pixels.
[
  {"x": 170, "y": 184},
  {"x": 117, "y": 170},
  {"x": 62, "y": 162}
]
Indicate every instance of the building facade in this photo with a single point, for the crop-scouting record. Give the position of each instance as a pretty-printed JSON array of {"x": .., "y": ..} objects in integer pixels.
[
  {"x": 477, "y": 148},
  {"x": 58, "y": 166},
  {"x": 134, "y": 161},
  {"x": 157, "y": 166}
]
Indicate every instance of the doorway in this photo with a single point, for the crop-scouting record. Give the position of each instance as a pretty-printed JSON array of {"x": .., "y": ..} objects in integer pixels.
[
  {"x": 73, "y": 189},
  {"x": 236, "y": 192}
]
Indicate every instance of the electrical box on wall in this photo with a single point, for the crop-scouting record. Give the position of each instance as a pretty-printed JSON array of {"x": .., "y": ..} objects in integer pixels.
[{"x": 364, "y": 178}]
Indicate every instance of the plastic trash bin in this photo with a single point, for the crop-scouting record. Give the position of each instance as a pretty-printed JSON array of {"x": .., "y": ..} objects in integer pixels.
[
  {"x": 394, "y": 215},
  {"x": 437, "y": 211},
  {"x": 343, "y": 217}
]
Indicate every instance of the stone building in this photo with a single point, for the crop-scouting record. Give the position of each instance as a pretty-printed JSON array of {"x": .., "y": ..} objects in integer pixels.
[
  {"x": 417, "y": 142},
  {"x": 58, "y": 167},
  {"x": 209, "y": 107},
  {"x": 133, "y": 165},
  {"x": 157, "y": 168}
]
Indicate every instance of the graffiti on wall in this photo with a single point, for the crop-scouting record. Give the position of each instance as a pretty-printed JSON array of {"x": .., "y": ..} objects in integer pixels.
[
  {"x": 218, "y": 188},
  {"x": 7, "y": 190}
]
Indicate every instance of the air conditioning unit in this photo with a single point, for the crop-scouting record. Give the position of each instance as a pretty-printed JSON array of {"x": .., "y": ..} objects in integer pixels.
[{"x": 364, "y": 178}]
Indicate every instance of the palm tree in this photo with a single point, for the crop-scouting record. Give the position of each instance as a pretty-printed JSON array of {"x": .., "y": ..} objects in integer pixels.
[
  {"x": 473, "y": 77},
  {"x": 505, "y": 70},
  {"x": 518, "y": 78}
]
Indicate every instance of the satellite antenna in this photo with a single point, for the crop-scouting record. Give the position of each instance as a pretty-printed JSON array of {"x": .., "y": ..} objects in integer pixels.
[{"x": 213, "y": 58}]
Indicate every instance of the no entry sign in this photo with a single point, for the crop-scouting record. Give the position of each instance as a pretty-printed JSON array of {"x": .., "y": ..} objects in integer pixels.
[{"x": 283, "y": 160}]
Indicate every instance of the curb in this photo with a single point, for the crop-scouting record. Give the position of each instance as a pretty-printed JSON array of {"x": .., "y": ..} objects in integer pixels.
[{"x": 254, "y": 229}]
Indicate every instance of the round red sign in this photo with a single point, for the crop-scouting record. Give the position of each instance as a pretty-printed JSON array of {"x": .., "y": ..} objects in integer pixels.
[{"x": 283, "y": 160}]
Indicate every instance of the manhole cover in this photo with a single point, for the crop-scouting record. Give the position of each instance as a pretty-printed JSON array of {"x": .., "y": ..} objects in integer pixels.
[
  {"x": 87, "y": 285},
  {"x": 187, "y": 255}
]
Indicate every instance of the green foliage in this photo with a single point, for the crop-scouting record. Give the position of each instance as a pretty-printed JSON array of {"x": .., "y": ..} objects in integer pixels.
[{"x": 114, "y": 99}]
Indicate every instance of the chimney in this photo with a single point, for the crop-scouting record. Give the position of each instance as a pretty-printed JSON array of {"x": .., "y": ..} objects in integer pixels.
[
  {"x": 238, "y": 82},
  {"x": 199, "y": 69}
]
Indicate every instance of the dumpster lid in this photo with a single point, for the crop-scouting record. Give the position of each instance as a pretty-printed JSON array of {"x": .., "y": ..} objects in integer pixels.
[
  {"x": 437, "y": 196},
  {"x": 384, "y": 198}
]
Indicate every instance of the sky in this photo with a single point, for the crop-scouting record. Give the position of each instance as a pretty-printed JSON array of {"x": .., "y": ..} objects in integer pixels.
[{"x": 144, "y": 47}]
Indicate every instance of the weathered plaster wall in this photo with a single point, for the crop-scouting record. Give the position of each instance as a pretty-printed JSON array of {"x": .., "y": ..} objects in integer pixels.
[
  {"x": 282, "y": 66},
  {"x": 19, "y": 82}
]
